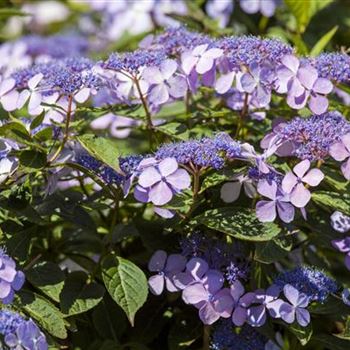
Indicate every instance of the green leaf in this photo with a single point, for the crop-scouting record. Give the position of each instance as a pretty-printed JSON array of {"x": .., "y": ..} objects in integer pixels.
[
  {"x": 109, "y": 319},
  {"x": 323, "y": 42},
  {"x": 79, "y": 294},
  {"x": 240, "y": 223},
  {"x": 332, "y": 306},
  {"x": 302, "y": 333},
  {"x": 37, "y": 121},
  {"x": 47, "y": 277},
  {"x": 274, "y": 250},
  {"x": 176, "y": 130},
  {"x": 331, "y": 342},
  {"x": 47, "y": 315},
  {"x": 106, "y": 150},
  {"x": 16, "y": 131},
  {"x": 333, "y": 200},
  {"x": 303, "y": 11},
  {"x": 184, "y": 333},
  {"x": 32, "y": 159},
  {"x": 126, "y": 284},
  {"x": 10, "y": 12}
]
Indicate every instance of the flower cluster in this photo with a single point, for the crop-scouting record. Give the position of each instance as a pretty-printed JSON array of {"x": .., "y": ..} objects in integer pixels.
[
  {"x": 32, "y": 49},
  {"x": 170, "y": 64},
  {"x": 310, "y": 281},
  {"x": 11, "y": 280},
  {"x": 225, "y": 336},
  {"x": 333, "y": 66},
  {"x": 20, "y": 334},
  {"x": 308, "y": 138},
  {"x": 219, "y": 255},
  {"x": 204, "y": 287},
  {"x": 203, "y": 153},
  {"x": 56, "y": 82}
]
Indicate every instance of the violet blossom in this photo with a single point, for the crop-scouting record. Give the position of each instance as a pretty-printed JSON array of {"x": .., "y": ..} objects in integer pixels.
[
  {"x": 11, "y": 280},
  {"x": 159, "y": 182},
  {"x": 8, "y": 95},
  {"x": 166, "y": 267},
  {"x": 209, "y": 297},
  {"x": 164, "y": 83},
  {"x": 230, "y": 191},
  {"x": 340, "y": 222},
  {"x": 258, "y": 82},
  {"x": 241, "y": 303},
  {"x": 296, "y": 307},
  {"x": 264, "y": 301},
  {"x": 32, "y": 95},
  {"x": 279, "y": 203},
  {"x": 340, "y": 151},
  {"x": 266, "y": 7},
  {"x": 292, "y": 183},
  {"x": 343, "y": 245},
  {"x": 201, "y": 58},
  {"x": 302, "y": 82}
]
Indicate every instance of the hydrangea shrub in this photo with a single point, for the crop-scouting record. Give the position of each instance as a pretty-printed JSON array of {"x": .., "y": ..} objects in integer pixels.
[{"x": 173, "y": 175}]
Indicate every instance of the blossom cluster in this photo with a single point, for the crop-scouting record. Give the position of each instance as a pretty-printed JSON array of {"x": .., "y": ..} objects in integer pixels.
[
  {"x": 216, "y": 296},
  {"x": 167, "y": 173},
  {"x": 20, "y": 334}
]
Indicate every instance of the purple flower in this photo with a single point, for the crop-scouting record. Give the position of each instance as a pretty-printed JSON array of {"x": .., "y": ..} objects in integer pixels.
[
  {"x": 32, "y": 95},
  {"x": 202, "y": 153},
  {"x": 244, "y": 50},
  {"x": 267, "y": 301},
  {"x": 296, "y": 306},
  {"x": 333, "y": 65},
  {"x": 158, "y": 183},
  {"x": 164, "y": 83},
  {"x": 230, "y": 191},
  {"x": 196, "y": 268},
  {"x": 209, "y": 297},
  {"x": 311, "y": 281},
  {"x": 345, "y": 296},
  {"x": 340, "y": 222},
  {"x": 220, "y": 10},
  {"x": 258, "y": 82},
  {"x": 302, "y": 82},
  {"x": 119, "y": 126},
  {"x": 292, "y": 183},
  {"x": 201, "y": 58},
  {"x": 280, "y": 202},
  {"x": 266, "y": 7},
  {"x": 8, "y": 96},
  {"x": 247, "y": 338},
  {"x": 343, "y": 245},
  {"x": 9, "y": 321},
  {"x": 341, "y": 151},
  {"x": 166, "y": 267},
  {"x": 241, "y": 303},
  {"x": 307, "y": 138},
  {"x": 11, "y": 280},
  {"x": 224, "y": 83},
  {"x": 27, "y": 337}
]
